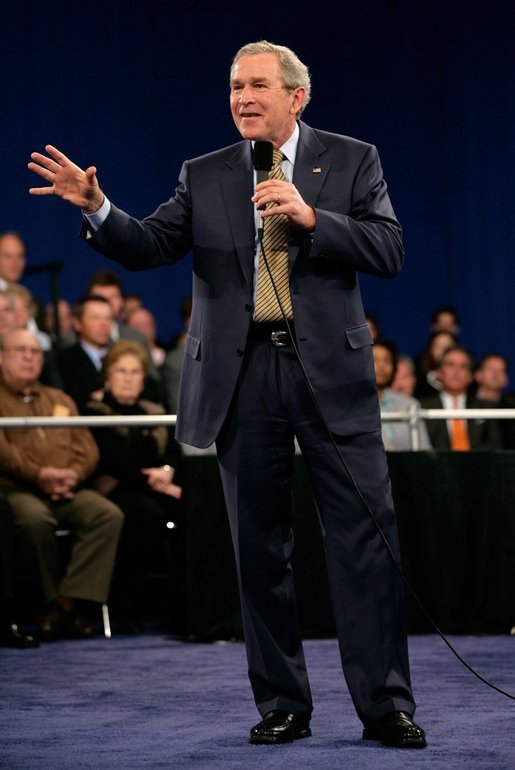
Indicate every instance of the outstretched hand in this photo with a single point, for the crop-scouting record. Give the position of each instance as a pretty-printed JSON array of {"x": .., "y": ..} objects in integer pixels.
[{"x": 67, "y": 180}]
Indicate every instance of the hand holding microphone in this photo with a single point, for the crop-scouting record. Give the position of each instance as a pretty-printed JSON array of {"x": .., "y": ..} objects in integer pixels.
[{"x": 283, "y": 194}]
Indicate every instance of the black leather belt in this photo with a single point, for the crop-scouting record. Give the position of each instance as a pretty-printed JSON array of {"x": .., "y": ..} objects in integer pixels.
[{"x": 275, "y": 332}]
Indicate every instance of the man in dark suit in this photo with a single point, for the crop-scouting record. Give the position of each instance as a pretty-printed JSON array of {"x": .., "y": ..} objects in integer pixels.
[
  {"x": 244, "y": 386},
  {"x": 455, "y": 372},
  {"x": 80, "y": 365},
  {"x": 108, "y": 284},
  {"x": 491, "y": 375}
]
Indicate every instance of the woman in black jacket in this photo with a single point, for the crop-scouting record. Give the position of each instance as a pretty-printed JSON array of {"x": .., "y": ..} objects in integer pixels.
[{"x": 137, "y": 471}]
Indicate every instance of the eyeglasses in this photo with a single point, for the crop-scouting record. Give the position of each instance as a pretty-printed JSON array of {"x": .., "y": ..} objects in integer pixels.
[{"x": 21, "y": 350}]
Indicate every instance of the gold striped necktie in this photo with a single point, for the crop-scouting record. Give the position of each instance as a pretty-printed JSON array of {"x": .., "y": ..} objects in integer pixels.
[{"x": 276, "y": 235}]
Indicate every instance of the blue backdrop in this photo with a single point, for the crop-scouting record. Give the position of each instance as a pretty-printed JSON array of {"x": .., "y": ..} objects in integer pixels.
[{"x": 135, "y": 88}]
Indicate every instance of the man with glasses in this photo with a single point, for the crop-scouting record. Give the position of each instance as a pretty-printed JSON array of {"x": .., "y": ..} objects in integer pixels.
[{"x": 42, "y": 476}]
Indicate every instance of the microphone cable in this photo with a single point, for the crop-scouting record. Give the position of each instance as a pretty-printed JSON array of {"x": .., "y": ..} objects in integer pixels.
[{"x": 358, "y": 491}]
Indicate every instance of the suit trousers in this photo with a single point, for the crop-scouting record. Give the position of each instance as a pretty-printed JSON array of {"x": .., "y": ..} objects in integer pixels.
[
  {"x": 272, "y": 405},
  {"x": 96, "y": 524}
]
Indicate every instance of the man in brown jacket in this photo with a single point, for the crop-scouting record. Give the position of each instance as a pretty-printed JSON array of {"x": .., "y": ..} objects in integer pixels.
[{"x": 42, "y": 472}]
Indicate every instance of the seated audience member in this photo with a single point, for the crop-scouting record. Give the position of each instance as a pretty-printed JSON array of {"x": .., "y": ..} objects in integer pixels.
[
  {"x": 14, "y": 313},
  {"x": 42, "y": 476},
  {"x": 80, "y": 365},
  {"x": 58, "y": 324},
  {"x": 455, "y": 375},
  {"x": 427, "y": 363},
  {"x": 12, "y": 258},
  {"x": 445, "y": 319},
  {"x": 373, "y": 325},
  {"x": 10, "y": 634},
  {"x": 108, "y": 284},
  {"x": 131, "y": 301},
  {"x": 491, "y": 378},
  {"x": 405, "y": 378},
  {"x": 6, "y": 311},
  {"x": 136, "y": 471},
  {"x": 143, "y": 321},
  {"x": 12, "y": 267},
  {"x": 396, "y": 435},
  {"x": 25, "y": 314}
]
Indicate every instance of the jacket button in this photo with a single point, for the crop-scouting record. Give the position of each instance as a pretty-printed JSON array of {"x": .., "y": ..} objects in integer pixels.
[{"x": 240, "y": 352}]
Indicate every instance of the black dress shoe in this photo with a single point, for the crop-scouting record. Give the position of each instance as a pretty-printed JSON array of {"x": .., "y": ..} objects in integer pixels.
[
  {"x": 280, "y": 727},
  {"x": 11, "y": 636},
  {"x": 396, "y": 729}
]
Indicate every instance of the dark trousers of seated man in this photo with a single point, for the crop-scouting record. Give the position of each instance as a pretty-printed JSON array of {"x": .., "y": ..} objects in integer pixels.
[{"x": 96, "y": 524}]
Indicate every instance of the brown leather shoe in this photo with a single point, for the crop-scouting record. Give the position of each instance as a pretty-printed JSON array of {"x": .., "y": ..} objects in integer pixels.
[
  {"x": 396, "y": 729},
  {"x": 78, "y": 626},
  {"x": 280, "y": 727},
  {"x": 64, "y": 622},
  {"x": 51, "y": 623}
]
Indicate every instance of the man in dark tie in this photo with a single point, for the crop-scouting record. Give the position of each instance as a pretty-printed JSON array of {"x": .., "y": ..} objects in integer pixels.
[{"x": 304, "y": 369}]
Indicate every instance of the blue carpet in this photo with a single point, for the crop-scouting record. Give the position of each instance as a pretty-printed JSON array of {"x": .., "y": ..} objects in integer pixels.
[{"x": 152, "y": 702}]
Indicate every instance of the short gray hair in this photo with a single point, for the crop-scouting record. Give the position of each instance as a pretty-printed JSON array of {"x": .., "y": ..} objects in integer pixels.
[
  {"x": 4, "y": 337},
  {"x": 294, "y": 72}
]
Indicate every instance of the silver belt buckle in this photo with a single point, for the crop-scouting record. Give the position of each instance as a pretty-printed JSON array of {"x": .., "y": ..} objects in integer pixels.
[{"x": 280, "y": 339}]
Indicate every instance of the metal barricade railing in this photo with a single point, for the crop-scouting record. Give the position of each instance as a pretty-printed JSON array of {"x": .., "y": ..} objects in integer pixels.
[
  {"x": 416, "y": 413},
  {"x": 82, "y": 421},
  {"x": 413, "y": 416}
]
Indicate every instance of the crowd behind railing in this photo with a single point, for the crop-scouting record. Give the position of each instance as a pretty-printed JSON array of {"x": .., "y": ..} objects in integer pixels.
[{"x": 88, "y": 397}]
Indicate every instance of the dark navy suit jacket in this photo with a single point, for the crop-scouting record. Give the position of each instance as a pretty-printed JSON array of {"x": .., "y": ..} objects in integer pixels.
[
  {"x": 212, "y": 215},
  {"x": 483, "y": 434}
]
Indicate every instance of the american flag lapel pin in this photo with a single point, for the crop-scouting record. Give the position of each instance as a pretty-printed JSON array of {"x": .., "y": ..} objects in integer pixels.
[{"x": 317, "y": 170}]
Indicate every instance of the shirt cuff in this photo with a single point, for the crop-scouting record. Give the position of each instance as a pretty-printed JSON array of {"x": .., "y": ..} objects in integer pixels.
[{"x": 97, "y": 219}]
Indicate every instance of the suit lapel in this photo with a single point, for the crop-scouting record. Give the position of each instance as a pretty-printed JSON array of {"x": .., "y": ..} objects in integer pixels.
[
  {"x": 310, "y": 171},
  {"x": 237, "y": 188},
  {"x": 311, "y": 165}
]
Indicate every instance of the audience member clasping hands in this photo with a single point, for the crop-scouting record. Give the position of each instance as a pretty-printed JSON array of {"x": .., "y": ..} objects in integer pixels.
[{"x": 67, "y": 180}]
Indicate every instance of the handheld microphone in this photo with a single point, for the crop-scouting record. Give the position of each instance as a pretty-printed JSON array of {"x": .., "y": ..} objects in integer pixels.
[{"x": 263, "y": 160}]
